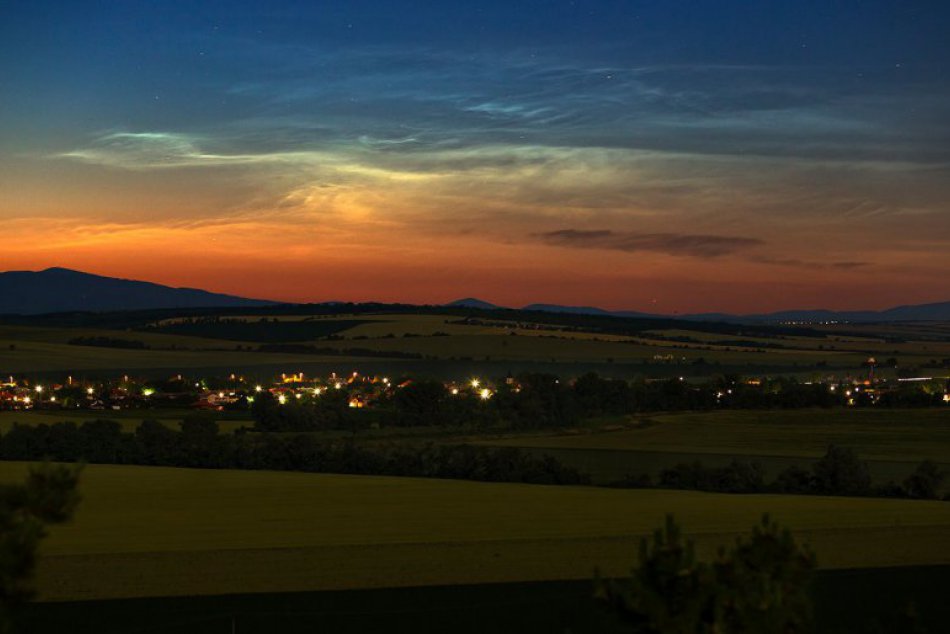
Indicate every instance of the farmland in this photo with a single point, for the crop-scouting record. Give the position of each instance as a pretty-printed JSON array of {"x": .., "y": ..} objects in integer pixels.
[
  {"x": 893, "y": 441},
  {"x": 450, "y": 340},
  {"x": 192, "y": 535},
  {"x": 898, "y": 435},
  {"x": 151, "y": 531},
  {"x": 127, "y": 419}
]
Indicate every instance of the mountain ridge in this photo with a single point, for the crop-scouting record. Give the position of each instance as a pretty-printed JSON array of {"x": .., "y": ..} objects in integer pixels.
[
  {"x": 934, "y": 311},
  {"x": 58, "y": 289}
]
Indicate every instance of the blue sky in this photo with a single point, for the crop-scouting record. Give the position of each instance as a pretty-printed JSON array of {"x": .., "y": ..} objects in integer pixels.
[{"x": 808, "y": 142}]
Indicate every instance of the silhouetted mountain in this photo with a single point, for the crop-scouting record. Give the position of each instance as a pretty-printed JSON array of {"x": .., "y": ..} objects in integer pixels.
[
  {"x": 587, "y": 310},
  {"x": 571, "y": 310},
  {"x": 472, "y": 302},
  {"x": 63, "y": 290},
  {"x": 923, "y": 312},
  {"x": 939, "y": 311}
]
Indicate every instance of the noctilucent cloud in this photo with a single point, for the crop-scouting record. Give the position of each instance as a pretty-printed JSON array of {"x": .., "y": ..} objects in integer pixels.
[{"x": 704, "y": 155}]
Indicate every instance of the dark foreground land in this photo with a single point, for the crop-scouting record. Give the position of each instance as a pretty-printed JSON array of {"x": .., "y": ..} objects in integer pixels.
[{"x": 868, "y": 600}]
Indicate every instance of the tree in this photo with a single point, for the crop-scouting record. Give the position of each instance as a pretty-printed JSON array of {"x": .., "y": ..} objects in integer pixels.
[
  {"x": 157, "y": 444},
  {"x": 49, "y": 496},
  {"x": 924, "y": 483},
  {"x": 762, "y": 585},
  {"x": 200, "y": 443},
  {"x": 669, "y": 592},
  {"x": 840, "y": 472}
]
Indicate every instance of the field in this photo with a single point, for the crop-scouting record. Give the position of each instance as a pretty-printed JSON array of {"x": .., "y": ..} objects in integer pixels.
[
  {"x": 148, "y": 531},
  {"x": 129, "y": 420},
  {"x": 148, "y": 539},
  {"x": 441, "y": 340},
  {"x": 845, "y": 601},
  {"x": 892, "y": 441}
]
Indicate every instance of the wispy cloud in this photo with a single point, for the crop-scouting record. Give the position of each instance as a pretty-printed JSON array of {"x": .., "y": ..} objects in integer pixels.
[{"x": 159, "y": 150}]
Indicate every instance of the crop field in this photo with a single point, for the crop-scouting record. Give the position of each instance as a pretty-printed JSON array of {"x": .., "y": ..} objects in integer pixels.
[
  {"x": 447, "y": 338},
  {"x": 149, "y": 531},
  {"x": 892, "y": 441},
  {"x": 38, "y": 356}
]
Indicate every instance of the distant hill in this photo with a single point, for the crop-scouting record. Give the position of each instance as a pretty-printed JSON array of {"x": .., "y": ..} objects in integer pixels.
[
  {"x": 587, "y": 310},
  {"x": 922, "y": 312},
  {"x": 59, "y": 290},
  {"x": 472, "y": 302},
  {"x": 63, "y": 290}
]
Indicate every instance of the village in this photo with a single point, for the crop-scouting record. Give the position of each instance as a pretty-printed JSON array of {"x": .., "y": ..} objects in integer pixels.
[
  {"x": 236, "y": 392},
  {"x": 231, "y": 392}
]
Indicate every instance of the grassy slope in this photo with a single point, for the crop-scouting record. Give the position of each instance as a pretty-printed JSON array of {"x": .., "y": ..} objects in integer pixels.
[{"x": 145, "y": 531}]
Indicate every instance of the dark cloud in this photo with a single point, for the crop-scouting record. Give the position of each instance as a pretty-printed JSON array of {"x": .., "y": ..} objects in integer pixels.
[
  {"x": 810, "y": 264},
  {"x": 696, "y": 245},
  {"x": 848, "y": 265}
]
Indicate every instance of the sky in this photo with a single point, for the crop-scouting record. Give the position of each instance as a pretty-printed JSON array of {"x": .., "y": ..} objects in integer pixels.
[{"x": 671, "y": 157}]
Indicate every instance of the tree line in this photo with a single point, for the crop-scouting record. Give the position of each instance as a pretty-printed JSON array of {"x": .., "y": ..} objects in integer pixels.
[
  {"x": 198, "y": 443},
  {"x": 839, "y": 472}
]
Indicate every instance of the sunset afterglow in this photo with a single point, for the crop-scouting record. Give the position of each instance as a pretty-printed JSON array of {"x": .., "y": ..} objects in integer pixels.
[{"x": 612, "y": 154}]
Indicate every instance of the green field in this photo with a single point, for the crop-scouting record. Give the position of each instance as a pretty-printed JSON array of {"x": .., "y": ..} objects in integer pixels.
[
  {"x": 892, "y": 441},
  {"x": 148, "y": 531},
  {"x": 877, "y": 434},
  {"x": 129, "y": 420}
]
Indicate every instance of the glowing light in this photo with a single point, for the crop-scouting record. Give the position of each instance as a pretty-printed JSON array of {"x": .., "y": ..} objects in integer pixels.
[
  {"x": 39, "y": 389},
  {"x": 475, "y": 383},
  {"x": 282, "y": 399},
  {"x": 258, "y": 388},
  {"x": 485, "y": 394},
  {"x": 337, "y": 385},
  {"x": 455, "y": 391},
  {"x": 298, "y": 396},
  {"x": 52, "y": 399},
  {"x": 148, "y": 391},
  {"x": 90, "y": 391}
]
